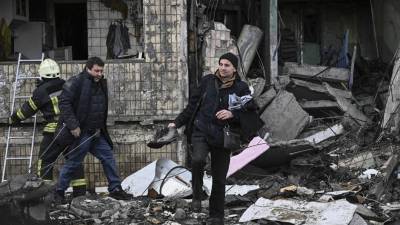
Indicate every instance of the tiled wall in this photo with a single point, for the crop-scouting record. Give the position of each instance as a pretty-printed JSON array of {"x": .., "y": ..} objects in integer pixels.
[{"x": 217, "y": 42}]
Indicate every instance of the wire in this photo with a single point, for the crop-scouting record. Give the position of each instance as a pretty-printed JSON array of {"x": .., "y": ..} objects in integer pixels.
[
  {"x": 166, "y": 178},
  {"x": 68, "y": 153},
  {"x": 48, "y": 147},
  {"x": 166, "y": 175}
]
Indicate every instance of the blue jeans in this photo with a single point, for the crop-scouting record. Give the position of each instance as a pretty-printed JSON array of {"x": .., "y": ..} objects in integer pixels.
[{"x": 100, "y": 148}]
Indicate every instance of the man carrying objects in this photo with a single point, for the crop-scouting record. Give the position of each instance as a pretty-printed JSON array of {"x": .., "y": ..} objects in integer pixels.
[
  {"x": 45, "y": 99},
  {"x": 209, "y": 106},
  {"x": 83, "y": 105}
]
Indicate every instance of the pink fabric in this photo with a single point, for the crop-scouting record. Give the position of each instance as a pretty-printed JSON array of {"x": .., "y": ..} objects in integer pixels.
[{"x": 256, "y": 147}]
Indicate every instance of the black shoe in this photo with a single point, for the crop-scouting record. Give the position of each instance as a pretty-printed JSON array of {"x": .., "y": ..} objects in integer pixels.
[
  {"x": 215, "y": 221},
  {"x": 163, "y": 137},
  {"x": 78, "y": 191},
  {"x": 119, "y": 194},
  {"x": 196, "y": 206}
]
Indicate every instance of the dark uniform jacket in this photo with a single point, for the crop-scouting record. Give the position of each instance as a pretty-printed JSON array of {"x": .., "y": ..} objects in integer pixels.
[
  {"x": 45, "y": 99},
  {"x": 205, "y": 119},
  {"x": 76, "y": 104}
]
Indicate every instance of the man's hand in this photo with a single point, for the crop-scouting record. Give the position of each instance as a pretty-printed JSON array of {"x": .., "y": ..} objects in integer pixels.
[
  {"x": 76, "y": 132},
  {"x": 224, "y": 114}
]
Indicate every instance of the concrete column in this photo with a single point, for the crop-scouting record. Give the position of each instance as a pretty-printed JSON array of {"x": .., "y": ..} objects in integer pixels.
[{"x": 270, "y": 26}]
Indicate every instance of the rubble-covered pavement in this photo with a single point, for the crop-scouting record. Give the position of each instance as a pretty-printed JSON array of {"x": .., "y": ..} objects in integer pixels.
[{"x": 314, "y": 177}]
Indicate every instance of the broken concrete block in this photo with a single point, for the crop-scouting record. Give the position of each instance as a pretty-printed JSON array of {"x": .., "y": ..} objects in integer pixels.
[
  {"x": 282, "y": 81},
  {"x": 347, "y": 106},
  {"x": 357, "y": 220},
  {"x": 265, "y": 98},
  {"x": 310, "y": 71},
  {"x": 366, "y": 212},
  {"x": 309, "y": 85},
  {"x": 312, "y": 91},
  {"x": 363, "y": 160},
  {"x": 319, "y": 104},
  {"x": 284, "y": 117}
]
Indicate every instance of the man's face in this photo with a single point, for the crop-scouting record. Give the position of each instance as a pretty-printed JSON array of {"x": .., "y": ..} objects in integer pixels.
[
  {"x": 96, "y": 72},
  {"x": 226, "y": 68}
]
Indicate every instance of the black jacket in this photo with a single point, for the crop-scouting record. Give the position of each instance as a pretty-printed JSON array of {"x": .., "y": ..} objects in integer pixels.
[
  {"x": 75, "y": 102},
  {"x": 45, "y": 99},
  {"x": 205, "y": 119}
]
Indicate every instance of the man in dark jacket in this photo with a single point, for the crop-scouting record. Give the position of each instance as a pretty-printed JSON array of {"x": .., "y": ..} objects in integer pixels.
[
  {"x": 45, "y": 99},
  {"x": 207, "y": 136},
  {"x": 83, "y": 105}
]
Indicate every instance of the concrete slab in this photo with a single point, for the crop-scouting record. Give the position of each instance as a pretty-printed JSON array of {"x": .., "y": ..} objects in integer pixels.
[
  {"x": 284, "y": 118},
  {"x": 318, "y": 104},
  {"x": 265, "y": 98},
  {"x": 310, "y": 71},
  {"x": 346, "y": 105}
]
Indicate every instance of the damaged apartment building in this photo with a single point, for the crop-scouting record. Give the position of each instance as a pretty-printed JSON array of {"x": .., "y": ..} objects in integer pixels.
[{"x": 323, "y": 72}]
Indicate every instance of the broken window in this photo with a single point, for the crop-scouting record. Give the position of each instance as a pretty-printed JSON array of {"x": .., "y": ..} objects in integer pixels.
[{"x": 121, "y": 26}]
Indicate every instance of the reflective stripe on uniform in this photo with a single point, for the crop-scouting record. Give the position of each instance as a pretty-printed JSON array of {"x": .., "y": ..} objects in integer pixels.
[
  {"x": 54, "y": 100},
  {"x": 50, "y": 127},
  {"x": 32, "y": 104},
  {"x": 78, "y": 182},
  {"x": 20, "y": 114}
]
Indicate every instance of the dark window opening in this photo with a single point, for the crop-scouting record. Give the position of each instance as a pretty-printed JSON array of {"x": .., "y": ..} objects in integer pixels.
[
  {"x": 311, "y": 28},
  {"x": 71, "y": 28},
  {"x": 38, "y": 11}
]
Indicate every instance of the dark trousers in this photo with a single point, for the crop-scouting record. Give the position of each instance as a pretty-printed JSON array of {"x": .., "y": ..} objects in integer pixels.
[
  {"x": 49, "y": 154},
  {"x": 101, "y": 149},
  {"x": 220, "y": 159}
]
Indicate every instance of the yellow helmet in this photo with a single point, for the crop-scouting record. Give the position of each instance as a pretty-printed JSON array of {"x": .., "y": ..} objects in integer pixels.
[{"x": 49, "y": 69}]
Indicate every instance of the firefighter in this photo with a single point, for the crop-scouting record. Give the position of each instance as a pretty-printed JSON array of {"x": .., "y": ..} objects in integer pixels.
[{"x": 45, "y": 99}]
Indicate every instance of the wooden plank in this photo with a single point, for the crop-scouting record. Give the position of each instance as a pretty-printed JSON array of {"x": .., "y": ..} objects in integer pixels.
[{"x": 309, "y": 71}]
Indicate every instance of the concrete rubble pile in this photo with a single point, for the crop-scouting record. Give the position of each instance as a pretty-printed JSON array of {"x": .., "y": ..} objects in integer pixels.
[
  {"x": 332, "y": 157},
  {"x": 329, "y": 161}
]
